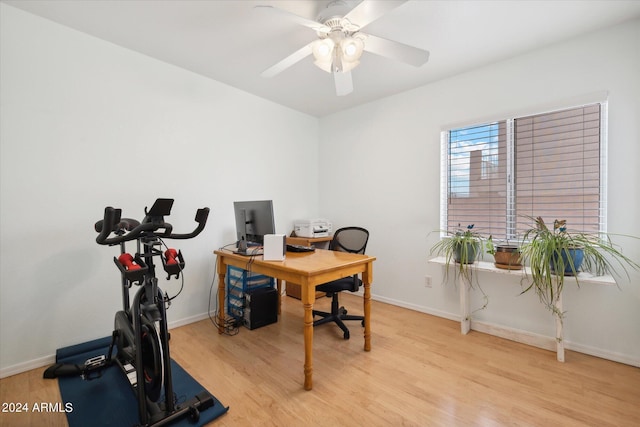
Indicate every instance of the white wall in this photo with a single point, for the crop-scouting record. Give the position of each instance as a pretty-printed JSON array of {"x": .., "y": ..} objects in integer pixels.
[
  {"x": 381, "y": 169},
  {"x": 86, "y": 124}
]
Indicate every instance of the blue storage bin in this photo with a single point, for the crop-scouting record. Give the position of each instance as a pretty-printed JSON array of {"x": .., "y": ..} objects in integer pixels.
[{"x": 238, "y": 282}]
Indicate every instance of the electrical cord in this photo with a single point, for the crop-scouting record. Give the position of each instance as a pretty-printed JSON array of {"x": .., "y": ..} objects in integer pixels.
[{"x": 231, "y": 326}]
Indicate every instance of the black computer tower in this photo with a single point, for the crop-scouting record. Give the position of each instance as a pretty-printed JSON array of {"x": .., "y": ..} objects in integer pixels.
[{"x": 261, "y": 307}]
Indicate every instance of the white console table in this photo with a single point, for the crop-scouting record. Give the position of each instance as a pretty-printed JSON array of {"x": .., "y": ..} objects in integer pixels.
[{"x": 465, "y": 310}]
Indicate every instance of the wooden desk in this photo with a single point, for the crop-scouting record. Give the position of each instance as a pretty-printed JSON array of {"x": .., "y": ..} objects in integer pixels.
[
  {"x": 309, "y": 269},
  {"x": 293, "y": 289}
]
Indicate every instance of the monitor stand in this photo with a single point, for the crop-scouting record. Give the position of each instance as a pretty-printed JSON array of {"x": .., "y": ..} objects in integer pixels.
[{"x": 248, "y": 248}]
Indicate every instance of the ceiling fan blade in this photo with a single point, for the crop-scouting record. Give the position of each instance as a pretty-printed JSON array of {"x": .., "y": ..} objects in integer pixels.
[
  {"x": 395, "y": 50},
  {"x": 369, "y": 10},
  {"x": 287, "y": 62},
  {"x": 314, "y": 25},
  {"x": 343, "y": 82}
]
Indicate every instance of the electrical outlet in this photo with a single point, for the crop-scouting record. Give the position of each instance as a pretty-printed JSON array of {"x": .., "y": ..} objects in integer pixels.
[{"x": 427, "y": 281}]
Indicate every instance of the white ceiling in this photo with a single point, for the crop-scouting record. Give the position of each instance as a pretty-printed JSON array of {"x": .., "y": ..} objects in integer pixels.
[{"x": 232, "y": 43}]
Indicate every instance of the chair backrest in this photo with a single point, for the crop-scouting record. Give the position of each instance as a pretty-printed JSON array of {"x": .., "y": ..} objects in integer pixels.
[{"x": 350, "y": 239}]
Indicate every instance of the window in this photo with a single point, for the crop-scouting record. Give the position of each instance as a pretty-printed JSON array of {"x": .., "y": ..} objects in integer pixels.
[{"x": 550, "y": 165}]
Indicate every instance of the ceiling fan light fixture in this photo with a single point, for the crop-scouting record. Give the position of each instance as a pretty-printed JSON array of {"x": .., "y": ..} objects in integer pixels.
[
  {"x": 340, "y": 44},
  {"x": 352, "y": 48},
  {"x": 324, "y": 65},
  {"x": 349, "y": 65},
  {"x": 323, "y": 49}
]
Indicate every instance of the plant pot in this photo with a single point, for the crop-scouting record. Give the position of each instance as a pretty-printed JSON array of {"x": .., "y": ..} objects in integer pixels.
[
  {"x": 507, "y": 257},
  {"x": 575, "y": 254},
  {"x": 466, "y": 253}
]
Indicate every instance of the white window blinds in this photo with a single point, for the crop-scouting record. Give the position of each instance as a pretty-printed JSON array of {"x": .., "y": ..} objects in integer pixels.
[
  {"x": 549, "y": 165},
  {"x": 477, "y": 178},
  {"x": 558, "y": 167}
]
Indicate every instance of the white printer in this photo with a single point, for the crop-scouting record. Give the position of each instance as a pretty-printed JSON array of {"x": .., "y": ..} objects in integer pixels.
[{"x": 312, "y": 227}]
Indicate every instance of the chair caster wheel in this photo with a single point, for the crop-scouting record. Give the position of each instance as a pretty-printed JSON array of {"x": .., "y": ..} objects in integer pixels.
[
  {"x": 362, "y": 323},
  {"x": 346, "y": 335}
]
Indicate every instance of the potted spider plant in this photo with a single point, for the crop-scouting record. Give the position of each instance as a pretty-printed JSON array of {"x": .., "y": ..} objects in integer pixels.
[
  {"x": 462, "y": 247},
  {"x": 554, "y": 253}
]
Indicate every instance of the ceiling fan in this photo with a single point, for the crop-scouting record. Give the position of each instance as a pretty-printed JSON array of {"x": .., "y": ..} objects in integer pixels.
[{"x": 341, "y": 43}]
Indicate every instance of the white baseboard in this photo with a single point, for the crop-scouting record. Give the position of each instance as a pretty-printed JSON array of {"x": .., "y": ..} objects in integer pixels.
[
  {"x": 51, "y": 359},
  {"x": 188, "y": 320},
  {"x": 549, "y": 343},
  {"x": 519, "y": 335},
  {"x": 597, "y": 352},
  {"x": 27, "y": 366},
  {"x": 529, "y": 338},
  {"x": 414, "y": 307}
]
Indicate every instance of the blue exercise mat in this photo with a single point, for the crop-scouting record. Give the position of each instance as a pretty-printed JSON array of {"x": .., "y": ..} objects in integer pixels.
[{"x": 110, "y": 400}]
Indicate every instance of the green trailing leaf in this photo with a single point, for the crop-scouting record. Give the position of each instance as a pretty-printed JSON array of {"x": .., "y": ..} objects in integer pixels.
[
  {"x": 547, "y": 251},
  {"x": 460, "y": 247}
]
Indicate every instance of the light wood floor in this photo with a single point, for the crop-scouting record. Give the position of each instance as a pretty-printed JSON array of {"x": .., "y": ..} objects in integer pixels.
[{"x": 421, "y": 372}]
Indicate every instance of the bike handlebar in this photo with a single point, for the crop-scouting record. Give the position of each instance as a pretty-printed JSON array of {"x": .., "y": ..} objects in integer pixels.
[{"x": 129, "y": 229}]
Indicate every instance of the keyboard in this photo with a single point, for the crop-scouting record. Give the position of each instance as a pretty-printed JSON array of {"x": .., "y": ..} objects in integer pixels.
[{"x": 299, "y": 248}]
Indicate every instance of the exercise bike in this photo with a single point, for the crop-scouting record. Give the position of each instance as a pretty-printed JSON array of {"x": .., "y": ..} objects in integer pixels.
[{"x": 140, "y": 334}]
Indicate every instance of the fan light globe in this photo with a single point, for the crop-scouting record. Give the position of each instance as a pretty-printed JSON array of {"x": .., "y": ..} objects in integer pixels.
[
  {"x": 352, "y": 49},
  {"x": 322, "y": 49},
  {"x": 323, "y": 65}
]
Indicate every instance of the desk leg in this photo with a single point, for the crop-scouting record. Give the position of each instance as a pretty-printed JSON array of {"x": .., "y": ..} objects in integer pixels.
[
  {"x": 367, "y": 278},
  {"x": 222, "y": 268},
  {"x": 279, "y": 287},
  {"x": 308, "y": 298}
]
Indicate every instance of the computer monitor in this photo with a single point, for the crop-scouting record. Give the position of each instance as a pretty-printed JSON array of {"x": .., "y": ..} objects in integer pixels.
[{"x": 254, "y": 219}]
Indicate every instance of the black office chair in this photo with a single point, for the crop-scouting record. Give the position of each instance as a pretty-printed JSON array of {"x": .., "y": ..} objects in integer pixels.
[{"x": 347, "y": 239}]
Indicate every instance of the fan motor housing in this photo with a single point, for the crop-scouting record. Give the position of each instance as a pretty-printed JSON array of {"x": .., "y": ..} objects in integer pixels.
[{"x": 333, "y": 14}]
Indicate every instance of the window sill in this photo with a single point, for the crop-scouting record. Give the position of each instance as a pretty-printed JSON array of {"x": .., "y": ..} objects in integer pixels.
[{"x": 490, "y": 267}]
